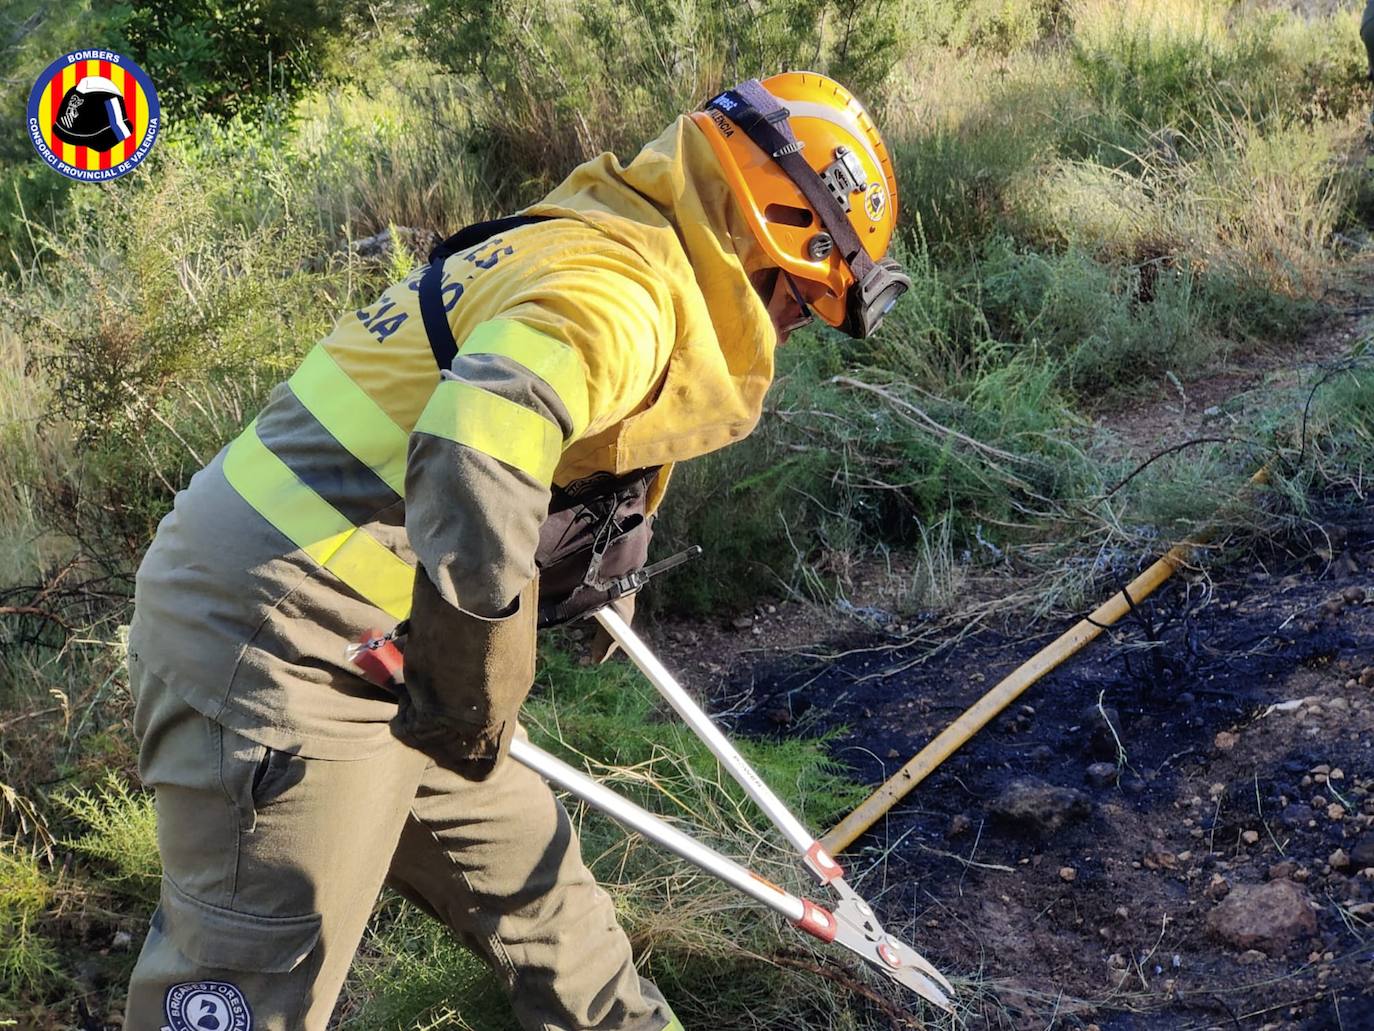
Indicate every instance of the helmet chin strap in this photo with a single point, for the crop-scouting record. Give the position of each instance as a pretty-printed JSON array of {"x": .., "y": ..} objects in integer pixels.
[{"x": 877, "y": 285}]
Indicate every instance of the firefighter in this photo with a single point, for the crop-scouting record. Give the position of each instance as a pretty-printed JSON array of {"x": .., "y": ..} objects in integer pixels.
[{"x": 429, "y": 462}]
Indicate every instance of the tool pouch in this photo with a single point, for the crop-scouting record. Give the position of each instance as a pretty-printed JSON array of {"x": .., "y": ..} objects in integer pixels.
[
  {"x": 597, "y": 534},
  {"x": 466, "y": 678}
]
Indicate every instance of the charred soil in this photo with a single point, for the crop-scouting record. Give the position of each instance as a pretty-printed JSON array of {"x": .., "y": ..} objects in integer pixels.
[{"x": 1096, "y": 855}]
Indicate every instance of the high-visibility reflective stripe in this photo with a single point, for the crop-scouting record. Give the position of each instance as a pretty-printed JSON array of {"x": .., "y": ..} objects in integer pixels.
[
  {"x": 488, "y": 423},
  {"x": 550, "y": 359},
  {"x": 316, "y": 527},
  {"x": 352, "y": 418}
]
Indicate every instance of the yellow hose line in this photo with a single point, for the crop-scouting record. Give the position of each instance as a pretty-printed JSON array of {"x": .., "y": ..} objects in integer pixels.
[{"x": 843, "y": 834}]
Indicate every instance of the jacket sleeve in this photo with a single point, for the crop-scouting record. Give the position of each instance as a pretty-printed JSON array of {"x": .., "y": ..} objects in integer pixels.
[{"x": 555, "y": 366}]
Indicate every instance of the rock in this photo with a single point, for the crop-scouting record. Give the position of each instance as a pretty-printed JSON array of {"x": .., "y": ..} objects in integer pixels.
[
  {"x": 1218, "y": 887},
  {"x": 1068, "y": 874},
  {"x": 1118, "y": 969},
  {"x": 1099, "y": 775},
  {"x": 90, "y": 973},
  {"x": 1249, "y": 837},
  {"x": 1335, "y": 811},
  {"x": 1362, "y": 855},
  {"x": 1282, "y": 871},
  {"x": 1339, "y": 860},
  {"x": 742, "y": 622},
  {"x": 1267, "y": 917},
  {"x": 416, "y": 241},
  {"x": 1252, "y": 956},
  {"x": 1367, "y": 677},
  {"x": 1353, "y": 595},
  {"x": 122, "y": 940},
  {"x": 1225, "y": 740},
  {"x": 1160, "y": 860},
  {"x": 1101, "y": 734},
  {"x": 1040, "y": 807},
  {"x": 1296, "y": 817}
]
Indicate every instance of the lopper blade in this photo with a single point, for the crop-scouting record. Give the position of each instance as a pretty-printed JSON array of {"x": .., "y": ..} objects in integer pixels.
[
  {"x": 897, "y": 960},
  {"x": 860, "y": 932}
]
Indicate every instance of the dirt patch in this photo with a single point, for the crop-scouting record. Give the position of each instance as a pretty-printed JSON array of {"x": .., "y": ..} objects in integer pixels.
[
  {"x": 1213, "y": 402},
  {"x": 1222, "y": 739}
]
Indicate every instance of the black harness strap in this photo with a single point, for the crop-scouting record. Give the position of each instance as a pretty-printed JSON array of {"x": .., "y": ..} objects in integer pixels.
[{"x": 432, "y": 311}]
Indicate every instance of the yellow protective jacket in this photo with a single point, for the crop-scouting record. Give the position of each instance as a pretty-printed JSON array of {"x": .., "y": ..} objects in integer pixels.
[{"x": 623, "y": 333}]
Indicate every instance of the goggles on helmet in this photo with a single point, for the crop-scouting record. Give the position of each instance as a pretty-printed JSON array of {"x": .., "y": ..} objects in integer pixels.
[{"x": 876, "y": 285}]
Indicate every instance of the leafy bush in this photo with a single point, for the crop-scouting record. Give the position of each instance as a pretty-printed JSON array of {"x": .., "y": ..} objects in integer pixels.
[
  {"x": 220, "y": 57},
  {"x": 999, "y": 26},
  {"x": 28, "y": 961},
  {"x": 120, "y": 830},
  {"x": 564, "y": 81},
  {"x": 159, "y": 326}
]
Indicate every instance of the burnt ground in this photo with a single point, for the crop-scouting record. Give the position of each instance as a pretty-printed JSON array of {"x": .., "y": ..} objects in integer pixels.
[{"x": 1244, "y": 708}]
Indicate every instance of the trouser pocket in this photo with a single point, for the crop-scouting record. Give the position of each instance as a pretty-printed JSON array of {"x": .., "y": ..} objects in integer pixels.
[
  {"x": 271, "y": 864},
  {"x": 206, "y": 968}
]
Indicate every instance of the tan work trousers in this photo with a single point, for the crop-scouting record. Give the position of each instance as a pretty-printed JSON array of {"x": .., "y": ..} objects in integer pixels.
[{"x": 272, "y": 863}]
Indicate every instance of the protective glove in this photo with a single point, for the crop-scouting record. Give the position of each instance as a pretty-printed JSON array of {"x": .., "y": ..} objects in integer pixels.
[{"x": 466, "y": 677}]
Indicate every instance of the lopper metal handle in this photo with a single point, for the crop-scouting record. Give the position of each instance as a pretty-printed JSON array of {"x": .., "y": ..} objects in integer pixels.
[
  {"x": 381, "y": 662},
  {"x": 801, "y": 912},
  {"x": 813, "y": 853}
]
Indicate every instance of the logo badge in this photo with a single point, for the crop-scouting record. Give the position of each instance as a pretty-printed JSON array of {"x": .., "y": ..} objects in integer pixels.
[
  {"x": 93, "y": 115},
  {"x": 206, "y": 1006},
  {"x": 875, "y": 200}
]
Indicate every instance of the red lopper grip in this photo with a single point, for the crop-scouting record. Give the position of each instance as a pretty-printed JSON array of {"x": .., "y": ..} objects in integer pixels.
[
  {"x": 823, "y": 863},
  {"x": 379, "y": 660},
  {"x": 818, "y": 922}
]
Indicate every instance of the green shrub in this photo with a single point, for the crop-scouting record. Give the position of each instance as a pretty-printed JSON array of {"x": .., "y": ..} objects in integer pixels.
[
  {"x": 998, "y": 26},
  {"x": 220, "y": 57},
  {"x": 564, "y": 81},
  {"x": 28, "y": 961},
  {"x": 120, "y": 831},
  {"x": 158, "y": 327}
]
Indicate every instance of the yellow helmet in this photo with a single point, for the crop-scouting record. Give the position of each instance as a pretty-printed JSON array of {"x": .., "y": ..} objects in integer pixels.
[{"x": 814, "y": 180}]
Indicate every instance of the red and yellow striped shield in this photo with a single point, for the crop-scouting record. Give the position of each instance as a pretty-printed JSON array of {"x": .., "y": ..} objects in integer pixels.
[{"x": 93, "y": 115}]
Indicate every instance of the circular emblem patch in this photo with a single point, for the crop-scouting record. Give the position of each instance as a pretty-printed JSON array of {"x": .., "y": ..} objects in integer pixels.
[
  {"x": 93, "y": 115},
  {"x": 875, "y": 201},
  {"x": 206, "y": 1006}
]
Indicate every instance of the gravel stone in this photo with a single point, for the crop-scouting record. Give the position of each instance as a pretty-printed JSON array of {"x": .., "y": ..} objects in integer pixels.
[
  {"x": 1039, "y": 807},
  {"x": 1268, "y": 917}
]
